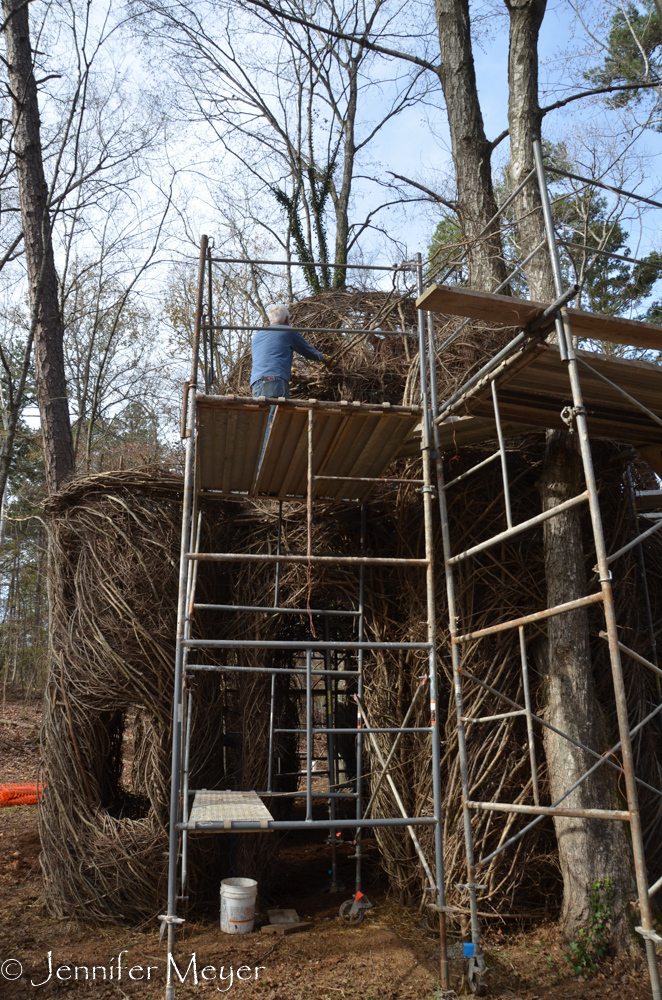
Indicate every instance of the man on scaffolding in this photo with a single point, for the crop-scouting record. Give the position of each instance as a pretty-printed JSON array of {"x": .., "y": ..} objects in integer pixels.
[{"x": 273, "y": 350}]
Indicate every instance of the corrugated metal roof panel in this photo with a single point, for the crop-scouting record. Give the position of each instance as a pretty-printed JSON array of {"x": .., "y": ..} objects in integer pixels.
[
  {"x": 349, "y": 439},
  {"x": 228, "y": 447},
  {"x": 533, "y": 395}
]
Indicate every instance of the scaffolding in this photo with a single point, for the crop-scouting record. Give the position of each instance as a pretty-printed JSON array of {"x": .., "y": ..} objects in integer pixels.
[
  {"x": 306, "y": 450},
  {"x": 292, "y": 450},
  {"x": 483, "y": 394}
]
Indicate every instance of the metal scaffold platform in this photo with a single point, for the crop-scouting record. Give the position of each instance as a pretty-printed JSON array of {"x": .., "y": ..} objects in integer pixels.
[{"x": 352, "y": 446}]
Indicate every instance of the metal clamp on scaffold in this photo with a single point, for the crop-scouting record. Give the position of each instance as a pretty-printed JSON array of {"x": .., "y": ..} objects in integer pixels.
[
  {"x": 165, "y": 920},
  {"x": 569, "y": 414},
  {"x": 650, "y": 935},
  {"x": 548, "y": 317}
]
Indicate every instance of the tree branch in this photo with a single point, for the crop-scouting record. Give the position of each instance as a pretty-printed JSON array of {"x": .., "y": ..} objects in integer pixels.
[
  {"x": 435, "y": 197},
  {"x": 346, "y": 36},
  {"x": 578, "y": 97}
]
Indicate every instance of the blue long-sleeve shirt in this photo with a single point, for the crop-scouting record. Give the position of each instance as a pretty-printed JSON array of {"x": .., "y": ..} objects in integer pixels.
[{"x": 273, "y": 349}]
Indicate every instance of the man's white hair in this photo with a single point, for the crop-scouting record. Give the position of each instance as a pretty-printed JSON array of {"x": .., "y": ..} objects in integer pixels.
[{"x": 280, "y": 313}]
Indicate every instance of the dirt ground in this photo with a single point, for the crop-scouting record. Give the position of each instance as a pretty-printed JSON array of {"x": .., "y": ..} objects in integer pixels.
[{"x": 393, "y": 955}]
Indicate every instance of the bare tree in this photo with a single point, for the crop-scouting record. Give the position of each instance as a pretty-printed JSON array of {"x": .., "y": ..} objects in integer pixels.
[
  {"x": 42, "y": 276},
  {"x": 109, "y": 343},
  {"x": 66, "y": 164},
  {"x": 587, "y": 852},
  {"x": 288, "y": 104}
]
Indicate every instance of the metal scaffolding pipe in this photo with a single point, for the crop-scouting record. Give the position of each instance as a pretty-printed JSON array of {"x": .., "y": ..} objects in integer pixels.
[
  {"x": 171, "y": 918},
  {"x": 550, "y": 810},
  {"x": 404, "y": 266},
  {"x": 529, "y": 716},
  {"x": 635, "y": 402},
  {"x": 396, "y": 795},
  {"x": 301, "y": 644},
  {"x": 229, "y": 668},
  {"x": 340, "y": 406},
  {"x": 260, "y": 557},
  {"x": 276, "y": 611},
  {"x": 470, "y": 472},
  {"x": 635, "y": 541},
  {"x": 367, "y": 479},
  {"x": 607, "y": 187},
  {"x": 517, "y": 529},
  {"x": 314, "y": 824},
  {"x": 635, "y": 656},
  {"x": 620, "y": 698},
  {"x": 494, "y": 718},
  {"x": 537, "y": 616},
  {"x": 364, "y": 730}
]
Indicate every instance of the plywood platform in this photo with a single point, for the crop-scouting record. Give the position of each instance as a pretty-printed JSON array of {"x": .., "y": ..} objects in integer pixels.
[
  {"x": 349, "y": 439},
  {"x": 509, "y": 311},
  {"x": 532, "y": 396},
  {"x": 227, "y": 807}
]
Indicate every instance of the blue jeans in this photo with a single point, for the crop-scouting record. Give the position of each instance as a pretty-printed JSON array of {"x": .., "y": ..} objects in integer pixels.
[{"x": 271, "y": 386}]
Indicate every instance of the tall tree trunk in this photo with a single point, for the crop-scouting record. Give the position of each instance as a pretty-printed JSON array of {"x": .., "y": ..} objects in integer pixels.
[
  {"x": 341, "y": 199},
  {"x": 524, "y": 121},
  {"x": 42, "y": 276},
  {"x": 470, "y": 148},
  {"x": 588, "y": 849}
]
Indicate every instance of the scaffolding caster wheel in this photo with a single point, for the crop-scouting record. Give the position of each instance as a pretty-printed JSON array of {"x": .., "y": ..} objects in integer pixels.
[
  {"x": 476, "y": 977},
  {"x": 352, "y": 911}
]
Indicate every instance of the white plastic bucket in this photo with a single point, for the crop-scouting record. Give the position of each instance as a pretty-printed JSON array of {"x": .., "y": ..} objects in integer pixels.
[{"x": 238, "y": 897}]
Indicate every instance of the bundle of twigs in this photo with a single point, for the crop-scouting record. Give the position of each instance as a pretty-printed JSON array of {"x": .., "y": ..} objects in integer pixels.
[
  {"x": 113, "y": 573},
  {"x": 372, "y": 367}
]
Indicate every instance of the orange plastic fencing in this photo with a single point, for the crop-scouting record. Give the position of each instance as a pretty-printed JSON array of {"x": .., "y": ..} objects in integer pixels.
[{"x": 21, "y": 794}]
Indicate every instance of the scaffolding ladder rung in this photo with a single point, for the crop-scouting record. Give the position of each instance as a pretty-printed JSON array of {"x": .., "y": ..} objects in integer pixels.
[
  {"x": 300, "y": 644},
  {"x": 550, "y": 810},
  {"x": 517, "y": 529},
  {"x": 494, "y": 718},
  {"x": 277, "y": 611},
  {"x": 263, "y": 557},
  {"x": 537, "y": 616},
  {"x": 470, "y": 472},
  {"x": 231, "y": 669}
]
